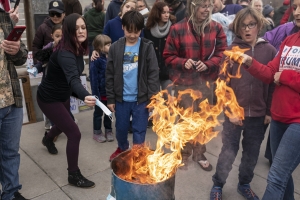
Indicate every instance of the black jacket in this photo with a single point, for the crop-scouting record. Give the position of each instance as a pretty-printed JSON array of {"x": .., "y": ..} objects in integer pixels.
[
  {"x": 159, "y": 45},
  {"x": 148, "y": 82},
  {"x": 42, "y": 36}
]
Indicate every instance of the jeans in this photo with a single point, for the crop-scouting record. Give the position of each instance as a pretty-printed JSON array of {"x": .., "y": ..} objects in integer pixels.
[
  {"x": 253, "y": 135},
  {"x": 139, "y": 114},
  {"x": 59, "y": 114},
  {"x": 284, "y": 140},
  {"x": 97, "y": 120},
  {"x": 11, "y": 119}
]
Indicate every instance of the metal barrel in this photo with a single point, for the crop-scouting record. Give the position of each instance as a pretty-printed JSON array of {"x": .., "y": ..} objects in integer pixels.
[{"x": 125, "y": 190}]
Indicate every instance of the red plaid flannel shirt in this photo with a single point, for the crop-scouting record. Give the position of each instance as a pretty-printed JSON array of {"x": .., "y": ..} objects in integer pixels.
[{"x": 182, "y": 45}]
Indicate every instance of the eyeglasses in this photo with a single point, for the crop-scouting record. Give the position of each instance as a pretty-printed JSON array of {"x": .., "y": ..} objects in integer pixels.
[
  {"x": 250, "y": 26},
  {"x": 206, "y": 6},
  {"x": 52, "y": 14}
]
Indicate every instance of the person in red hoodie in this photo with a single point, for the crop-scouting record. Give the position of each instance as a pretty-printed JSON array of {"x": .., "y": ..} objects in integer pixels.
[{"x": 284, "y": 70}]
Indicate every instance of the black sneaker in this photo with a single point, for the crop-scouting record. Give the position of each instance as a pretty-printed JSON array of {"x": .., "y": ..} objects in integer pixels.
[
  {"x": 76, "y": 179},
  {"x": 18, "y": 196},
  {"x": 246, "y": 191},
  {"x": 49, "y": 144}
]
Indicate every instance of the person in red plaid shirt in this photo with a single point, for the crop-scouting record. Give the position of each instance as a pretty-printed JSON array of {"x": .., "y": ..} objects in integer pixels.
[{"x": 193, "y": 52}]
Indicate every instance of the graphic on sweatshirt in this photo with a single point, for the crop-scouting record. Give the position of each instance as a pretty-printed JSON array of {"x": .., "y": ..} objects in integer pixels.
[
  {"x": 130, "y": 72},
  {"x": 290, "y": 58}
]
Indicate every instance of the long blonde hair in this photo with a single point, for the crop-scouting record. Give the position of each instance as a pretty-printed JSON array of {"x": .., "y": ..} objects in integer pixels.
[
  {"x": 123, "y": 4},
  {"x": 192, "y": 8}
]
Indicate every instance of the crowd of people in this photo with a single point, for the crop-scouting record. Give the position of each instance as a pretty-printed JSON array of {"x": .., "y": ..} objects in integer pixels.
[{"x": 134, "y": 52}]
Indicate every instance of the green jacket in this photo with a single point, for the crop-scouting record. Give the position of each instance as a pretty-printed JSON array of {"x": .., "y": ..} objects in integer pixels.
[{"x": 95, "y": 23}]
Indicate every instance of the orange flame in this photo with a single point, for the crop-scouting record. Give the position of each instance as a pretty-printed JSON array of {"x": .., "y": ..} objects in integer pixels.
[{"x": 176, "y": 126}]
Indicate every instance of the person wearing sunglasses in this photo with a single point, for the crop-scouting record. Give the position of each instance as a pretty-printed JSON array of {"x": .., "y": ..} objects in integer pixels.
[{"x": 43, "y": 34}]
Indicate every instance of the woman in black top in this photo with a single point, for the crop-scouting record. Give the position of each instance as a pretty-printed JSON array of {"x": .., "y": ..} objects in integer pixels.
[
  {"x": 157, "y": 30},
  {"x": 63, "y": 79}
]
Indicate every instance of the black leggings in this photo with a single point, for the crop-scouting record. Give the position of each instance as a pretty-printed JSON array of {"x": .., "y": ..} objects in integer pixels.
[{"x": 59, "y": 114}]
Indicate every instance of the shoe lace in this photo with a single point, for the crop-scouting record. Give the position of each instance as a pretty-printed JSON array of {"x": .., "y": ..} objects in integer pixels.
[
  {"x": 249, "y": 192},
  {"x": 217, "y": 195},
  {"x": 81, "y": 178}
]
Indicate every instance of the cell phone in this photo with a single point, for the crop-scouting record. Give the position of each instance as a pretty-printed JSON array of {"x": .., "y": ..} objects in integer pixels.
[
  {"x": 16, "y": 33},
  {"x": 16, "y": 4}
]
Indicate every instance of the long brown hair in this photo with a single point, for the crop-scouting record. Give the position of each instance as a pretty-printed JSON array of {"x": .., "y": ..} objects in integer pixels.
[
  {"x": 69, "y": 40},
  {"x": 155, "y": 14}
]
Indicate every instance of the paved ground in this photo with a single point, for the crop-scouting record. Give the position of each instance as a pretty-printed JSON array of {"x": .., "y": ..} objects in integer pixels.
[{"x": 44, "y": 176}]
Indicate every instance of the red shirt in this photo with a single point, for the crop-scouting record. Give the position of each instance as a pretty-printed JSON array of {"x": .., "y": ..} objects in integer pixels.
[
  {"x": 182, "y": 45},
  {"x": 285, "y": 106}
]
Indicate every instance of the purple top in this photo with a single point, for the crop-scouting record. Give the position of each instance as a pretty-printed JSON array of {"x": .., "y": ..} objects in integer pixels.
[{"x": 277, "y": 35}]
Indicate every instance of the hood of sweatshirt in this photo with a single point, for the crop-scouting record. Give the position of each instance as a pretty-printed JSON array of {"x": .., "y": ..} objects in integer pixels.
[
  {"x": 117, "y": 1},
  {"x": 239, "y": 42},
  {"x": 93, "y": 12}
]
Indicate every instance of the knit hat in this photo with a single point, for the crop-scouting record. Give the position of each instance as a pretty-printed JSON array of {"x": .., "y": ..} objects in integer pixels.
[
  {"x": 56, "y": 6},
  {"x": 267, "y": 10},
  {"x": 286, "y": 2}
]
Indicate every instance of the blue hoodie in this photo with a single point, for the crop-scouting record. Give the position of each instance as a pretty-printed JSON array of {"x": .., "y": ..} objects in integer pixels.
[
  {"x": 97, "y": 76},
  {"x": 112, "y": 10},
  {"x": 113, "y": 29}
]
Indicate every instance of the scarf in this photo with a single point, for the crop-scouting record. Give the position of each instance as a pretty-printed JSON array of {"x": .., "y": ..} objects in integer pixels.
[{"x": 161, "y": 31}]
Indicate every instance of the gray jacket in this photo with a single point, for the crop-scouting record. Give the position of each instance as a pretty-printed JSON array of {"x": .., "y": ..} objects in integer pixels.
[{"x": 148, "y": 72}]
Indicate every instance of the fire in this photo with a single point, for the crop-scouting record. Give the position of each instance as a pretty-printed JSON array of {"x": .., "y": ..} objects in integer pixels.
[{"x": 176, "y": 126}]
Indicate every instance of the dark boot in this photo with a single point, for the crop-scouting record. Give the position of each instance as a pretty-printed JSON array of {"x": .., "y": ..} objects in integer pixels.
[
  {"x": 76, "y": 179},
  {"x": 49, "y": 144},
  {"x": 18, "y": 196}
]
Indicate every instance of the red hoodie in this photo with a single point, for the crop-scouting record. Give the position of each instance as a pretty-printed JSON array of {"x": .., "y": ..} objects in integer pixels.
[{"x": 285, "y": 106}]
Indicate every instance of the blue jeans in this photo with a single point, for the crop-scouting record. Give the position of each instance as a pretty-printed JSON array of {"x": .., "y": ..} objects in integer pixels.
[
  {"x": 11, "y": 119},
  {"x": 139, "y": 114},
  {"x": 97, "y": 120},
  {"x": 285, "y": 148},
  {"x": 253, "y": 135}
]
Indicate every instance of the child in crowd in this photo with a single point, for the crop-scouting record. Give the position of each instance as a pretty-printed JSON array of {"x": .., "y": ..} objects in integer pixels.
[
  {"x": 101, "y": 44},
  {"x": 132, "y": 78},
  {"x": 255, "y": 97},
  {"x": 43, "y": 55}
]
